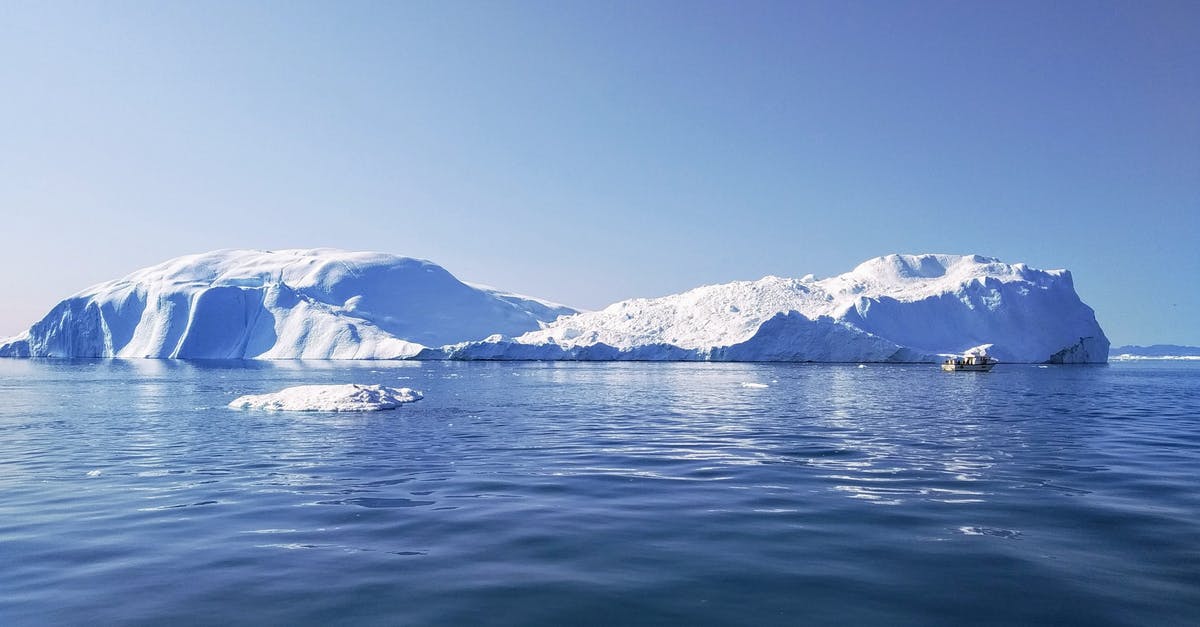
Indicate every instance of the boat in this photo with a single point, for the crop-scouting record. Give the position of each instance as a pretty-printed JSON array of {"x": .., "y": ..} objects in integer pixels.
[{"x": 969, "y": 363}]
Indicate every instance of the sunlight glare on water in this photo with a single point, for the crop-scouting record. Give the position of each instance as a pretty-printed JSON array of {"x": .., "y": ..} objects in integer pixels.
[{"x": 606, "y": 493}]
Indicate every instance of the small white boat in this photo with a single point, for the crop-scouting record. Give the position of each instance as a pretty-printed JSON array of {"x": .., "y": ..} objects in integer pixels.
[{"x": 969, "y": 363}]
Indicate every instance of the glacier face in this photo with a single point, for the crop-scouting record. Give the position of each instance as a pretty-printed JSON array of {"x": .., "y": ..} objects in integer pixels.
[
  {"x": 331, "y": 304},
  {"x": 286, "y": 304},
  {"x": 893, "y": 308}
]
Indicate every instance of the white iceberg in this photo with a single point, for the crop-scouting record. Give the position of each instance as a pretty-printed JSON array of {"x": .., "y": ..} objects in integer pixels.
[
  {"x": 331, "y": 304},
  {"x": 894, "y": 308},
  {"x": 286, "y": 304},
  {"x": 349, "y": 397},
  {"x": 1164, "y": 352}
]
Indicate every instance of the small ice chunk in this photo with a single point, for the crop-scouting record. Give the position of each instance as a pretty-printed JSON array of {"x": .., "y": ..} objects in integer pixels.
[
  {"x": 94, "y": 473},
  {"x": 747, "y": 384},
  {"x": 349, "y": 397},
  {"x": 990, "y": 531}
]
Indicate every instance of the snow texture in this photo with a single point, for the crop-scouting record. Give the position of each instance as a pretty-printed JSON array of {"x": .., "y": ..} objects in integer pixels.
[
  {"x": 287, "y": 304},
  {"x": 330, "y": 304},
  {"x": 889, "y": 309},
  {"x": 350, "y": 397}
]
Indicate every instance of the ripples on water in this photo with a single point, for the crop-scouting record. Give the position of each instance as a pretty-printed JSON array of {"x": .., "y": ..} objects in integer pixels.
[{"x": 560, "y": 494}]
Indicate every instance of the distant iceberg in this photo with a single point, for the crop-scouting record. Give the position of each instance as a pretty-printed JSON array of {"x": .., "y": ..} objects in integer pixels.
[
  {"x": 1165, "y": 352},
  {"x": 897, "y": 308},
  {"x": 350, "y": 397},
  {"x": 286, "y": 304},
  {"x": 331, "y": 304}
]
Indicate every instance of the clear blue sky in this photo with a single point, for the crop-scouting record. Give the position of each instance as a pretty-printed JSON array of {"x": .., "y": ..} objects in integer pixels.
[{"x": 592, "y": 151}]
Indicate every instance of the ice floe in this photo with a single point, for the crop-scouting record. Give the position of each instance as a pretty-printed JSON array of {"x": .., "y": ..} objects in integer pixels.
[{"x": 349, "y": 397}]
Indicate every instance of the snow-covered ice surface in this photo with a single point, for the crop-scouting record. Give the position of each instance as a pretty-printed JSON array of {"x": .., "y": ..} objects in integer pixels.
[
  {"x": 349, "y": 397},
  {"x": 331, "y": 304},
  {"x": 892, "y": 308},
  {"x": 286, "y": 304}
]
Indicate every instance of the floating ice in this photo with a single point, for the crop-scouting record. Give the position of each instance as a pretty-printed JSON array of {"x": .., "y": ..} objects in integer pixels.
[
  {"x": 283, "y": 304},
  {"x": 747, "y": 384},
  {"x": 890, "y": 309},
  {"x": 331, "y": 304},
  {"x": 1009, "y": 534},
  {"x": 349, "y": 397},
  {"x": 1156, "y": 351}
]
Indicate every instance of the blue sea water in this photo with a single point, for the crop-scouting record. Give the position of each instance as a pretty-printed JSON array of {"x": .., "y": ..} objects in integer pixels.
[{"x": 601, "y": 493}]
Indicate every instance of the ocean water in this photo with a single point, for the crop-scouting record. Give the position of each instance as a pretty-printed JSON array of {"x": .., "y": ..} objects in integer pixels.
[{"x": 604, "y": 493}]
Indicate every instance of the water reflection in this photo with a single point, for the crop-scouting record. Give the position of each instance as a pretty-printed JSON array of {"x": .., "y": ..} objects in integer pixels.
[
  {"x": 952, "y": 433},
  {"x": 674, "y": 483}
]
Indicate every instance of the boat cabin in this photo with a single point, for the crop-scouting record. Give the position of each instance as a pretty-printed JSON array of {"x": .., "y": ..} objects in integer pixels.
[{"x": 979, "y": 363}]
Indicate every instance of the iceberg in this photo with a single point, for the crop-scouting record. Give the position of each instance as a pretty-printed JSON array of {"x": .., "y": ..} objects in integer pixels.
[
  {"x": 349, "y": 397},
  {"x": 332, "y": 304},
  {"x": 1162, "y": 352},
  {"x": 285, "y": 304},
  {"x": 896, "y": 308}
]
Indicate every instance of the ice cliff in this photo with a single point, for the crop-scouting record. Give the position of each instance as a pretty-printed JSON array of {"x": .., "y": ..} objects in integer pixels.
[
  {"x": 329, "y": 304},
  {"x": 893, "y": 308},
  {"x": 286, "y": 304}
]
